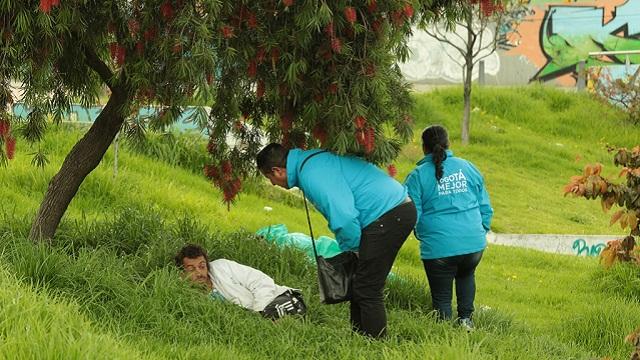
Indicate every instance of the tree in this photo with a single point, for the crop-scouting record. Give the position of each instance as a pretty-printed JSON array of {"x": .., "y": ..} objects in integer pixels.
[
  {"x": 302, "y": 72},
  {"x": 481, "y": 28},
  {"x": 624, "y": 92},
  {"x": 592, "y": 185}
]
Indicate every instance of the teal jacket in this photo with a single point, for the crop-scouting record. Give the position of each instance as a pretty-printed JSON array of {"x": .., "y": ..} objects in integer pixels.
[
  {"x": 350, "y": 192},
  {"x": 454, "y": 214}
]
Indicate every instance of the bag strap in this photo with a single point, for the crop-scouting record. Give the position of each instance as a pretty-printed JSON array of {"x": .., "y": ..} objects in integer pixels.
[{"x": 306, "y": 207}]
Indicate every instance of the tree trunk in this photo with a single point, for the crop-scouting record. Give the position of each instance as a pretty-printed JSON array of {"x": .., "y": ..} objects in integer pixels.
[
  {"x": 466, "y": 117},
  {"x": 83, "y": 158}
]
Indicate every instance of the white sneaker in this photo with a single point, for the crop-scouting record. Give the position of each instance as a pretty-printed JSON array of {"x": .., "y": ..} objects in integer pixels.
[{"x": 466, "y": 324}]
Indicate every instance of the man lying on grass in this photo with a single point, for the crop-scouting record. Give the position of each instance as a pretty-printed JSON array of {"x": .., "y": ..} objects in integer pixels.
[{"x": 240, "y": 284}]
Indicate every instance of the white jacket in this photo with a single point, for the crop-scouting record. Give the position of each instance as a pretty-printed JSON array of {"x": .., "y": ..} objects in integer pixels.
[{"x": 243, "y": 285}]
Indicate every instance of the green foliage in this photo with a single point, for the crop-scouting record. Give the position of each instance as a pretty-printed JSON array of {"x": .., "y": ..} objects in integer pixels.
[{"x": 135, "y": 293}]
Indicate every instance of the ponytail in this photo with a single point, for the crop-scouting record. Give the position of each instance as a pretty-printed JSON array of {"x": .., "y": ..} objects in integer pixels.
[
  {"x": 439, "y": 155},
  {"x": 435, "y": 141}
]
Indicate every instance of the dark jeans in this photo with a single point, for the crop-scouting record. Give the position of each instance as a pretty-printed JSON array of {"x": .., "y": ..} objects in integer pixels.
[
  {"x": 379, "y": 245},
  {"x": 441, "y": 272}
]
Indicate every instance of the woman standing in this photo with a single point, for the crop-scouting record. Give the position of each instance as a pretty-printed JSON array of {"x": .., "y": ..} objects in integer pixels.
[{"x": 454, "y": 215}]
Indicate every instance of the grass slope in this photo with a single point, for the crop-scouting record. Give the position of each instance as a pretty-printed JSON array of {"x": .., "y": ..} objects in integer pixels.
[{"x": 104, "y": 285}]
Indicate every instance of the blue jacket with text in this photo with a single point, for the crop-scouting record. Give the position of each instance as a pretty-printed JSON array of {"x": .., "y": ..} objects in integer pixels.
[
  {"x": 350, "y": 192},
  {"x": 454, "y": 214}
]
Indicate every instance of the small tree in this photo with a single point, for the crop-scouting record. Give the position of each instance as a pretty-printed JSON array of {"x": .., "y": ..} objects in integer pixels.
[
  {"x": 623, "y": 92},
  {"x": 482, "y": 26},
  {"x": 591, "y": 185}
]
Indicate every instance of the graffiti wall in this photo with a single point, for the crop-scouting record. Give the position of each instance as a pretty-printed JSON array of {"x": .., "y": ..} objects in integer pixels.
[{"x": 552, "y": 38}]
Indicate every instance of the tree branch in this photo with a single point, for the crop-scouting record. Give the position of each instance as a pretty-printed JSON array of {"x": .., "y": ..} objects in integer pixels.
[{"x": 97, "y": 65}]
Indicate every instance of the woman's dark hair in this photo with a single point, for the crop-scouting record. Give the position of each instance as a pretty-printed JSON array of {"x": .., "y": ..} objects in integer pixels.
[
  {"x": 435, "y": 141},
  {"x": 190, "y": 251},
  {"x": 273, "y": 155}
]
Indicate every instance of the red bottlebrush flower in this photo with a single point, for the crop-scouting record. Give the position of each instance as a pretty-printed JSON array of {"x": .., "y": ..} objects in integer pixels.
[
  {"x": 487, "y": 7},
  {"x": 177, "y": 48},
  {"x": 407, "y": 119},
  {"x": 327, "y": 55},
  {"x": 209, "y": 78},
  {"x": 376, "y": 25},
  {"x": 211, "y": 172},
  {"x": 226, "y": 168},
  {"x": 113, "y": 49},
  {"x": 150, "y": 34},
  {"x": 252, "y": 69},
  {"x": 318, "y": 97},
  {"x": 286, "y": 141},
  {"x": 328, "y": 29},
  {"x": 4, "y": 128},
  {"x": 372, "y": 6},
  {"x": 252, "y": 21},
  {"x": 134, "y": 27},
  {"x": 45, "y": 6},
  {"x": 286, "y": 121},
  {"x": 348, "y": 31},
  {"x": 360, "y": 122},
  {"x": 350, "y": 14},
  {"x": 236, "y": 185},
  {"x": 275, "y": 55},
  {"x": 283, "y": 89},
  {"x": 370, "y": 70},
  {"x": 227, "y": 31},
  {"x": 260, "y": 89},
  {"x": 166, "y": 9},
  {"x": 397, "y": 17},
  {"x": 261, "y": 54},
  {"x": 55, "y": 2},
  {"x": 370, "y": 137},
  {"x": 120, "y": 56},
  {"x": 320, "y": 134},
  {"x": 10, "y": 144},
  {"x": 332, "y": 88},
  {"x": 336, "y": 45},
  {"x": 360, "y": 137},
  {"x": 287, "y": 3},
  {"x": 140, "y": 48},
  {"x": 211, "y": 147},
  {"x": 408, "y": 11},
  {"x": 391, "y": 169}
]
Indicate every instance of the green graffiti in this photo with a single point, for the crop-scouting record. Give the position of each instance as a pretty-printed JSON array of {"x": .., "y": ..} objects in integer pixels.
[
  {"x": 569, "y": 33},
  {"x": 580, "y": 246}
]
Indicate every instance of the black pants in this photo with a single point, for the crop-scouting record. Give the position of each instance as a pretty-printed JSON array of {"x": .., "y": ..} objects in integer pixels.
[
  {"x": 379, "y": 245},
  {"x": 441, "y": 273}
]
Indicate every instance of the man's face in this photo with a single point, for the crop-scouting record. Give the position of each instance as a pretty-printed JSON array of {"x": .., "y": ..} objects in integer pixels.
[
  {"x": 278, "y": 177},
  {"x": 196, "y": 270}
]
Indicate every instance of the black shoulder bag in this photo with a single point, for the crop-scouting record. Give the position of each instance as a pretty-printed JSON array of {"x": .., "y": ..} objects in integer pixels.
[{"x": 335, "y": 274}]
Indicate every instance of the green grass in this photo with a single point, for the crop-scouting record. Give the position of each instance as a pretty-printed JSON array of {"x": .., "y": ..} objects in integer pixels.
[{"x": 105, "y": 288}]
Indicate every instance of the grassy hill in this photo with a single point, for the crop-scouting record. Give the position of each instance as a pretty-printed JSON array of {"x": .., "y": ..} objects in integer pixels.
[{"x": 104, "y": 288}]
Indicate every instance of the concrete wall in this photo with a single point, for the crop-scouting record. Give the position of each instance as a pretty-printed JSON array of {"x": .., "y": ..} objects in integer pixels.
[
  {"x": 551, "y": 39},
  {"x": 580, "y": 245}
]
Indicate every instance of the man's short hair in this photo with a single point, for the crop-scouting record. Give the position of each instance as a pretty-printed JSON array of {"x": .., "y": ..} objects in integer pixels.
[
  {"x": 190, "y": 251},
  {"x": 273, "y": 155}
]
